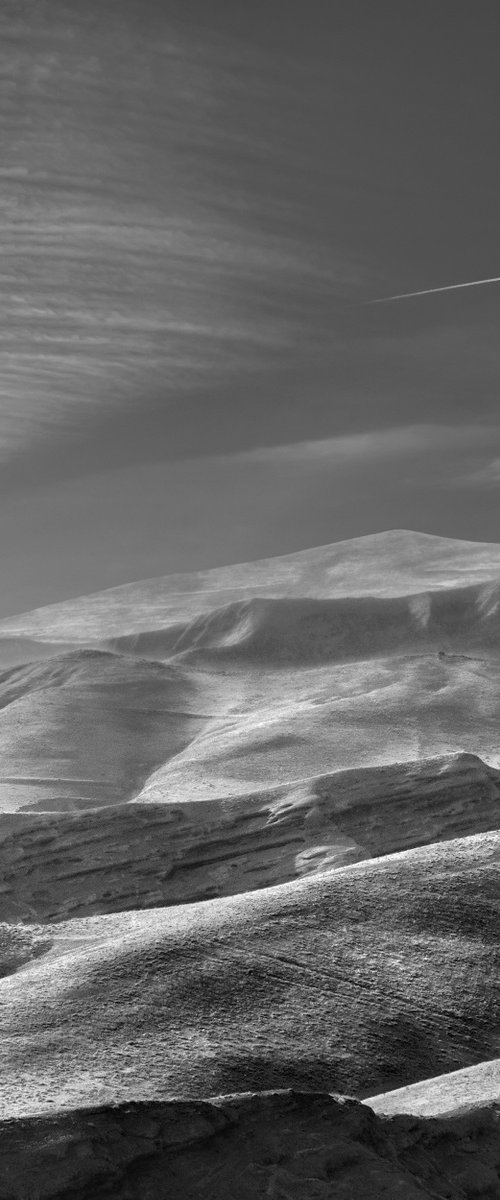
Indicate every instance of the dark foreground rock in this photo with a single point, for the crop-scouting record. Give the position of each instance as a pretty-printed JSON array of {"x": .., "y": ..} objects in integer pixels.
[{"x": 276, "y": 1144}]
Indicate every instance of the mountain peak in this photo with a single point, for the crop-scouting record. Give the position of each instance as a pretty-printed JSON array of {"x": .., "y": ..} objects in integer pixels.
[{"x": 395, "y": 562}]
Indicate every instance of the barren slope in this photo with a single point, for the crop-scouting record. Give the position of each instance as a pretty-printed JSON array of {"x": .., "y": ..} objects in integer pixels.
[
  {"x": 446, "y": 1095},
  {"x": 357, "y": 980},
  {"x": 200, "y": 738},
  {"x": 87, "y": 728},
  {"x": 239, "y": 708},
  {"x": 256, "y": 741},
  {"x": 396, "y": 563}
]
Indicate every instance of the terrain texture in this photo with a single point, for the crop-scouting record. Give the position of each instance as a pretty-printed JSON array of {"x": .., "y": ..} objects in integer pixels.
[{"x": 249, "y": 863}]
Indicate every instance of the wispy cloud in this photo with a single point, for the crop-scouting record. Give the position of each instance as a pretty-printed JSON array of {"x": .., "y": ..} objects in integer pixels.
[
  {"x": 377, "y": 445},
  {"x": 132, "y": 255},
  {"x": 486, "y": 476}
]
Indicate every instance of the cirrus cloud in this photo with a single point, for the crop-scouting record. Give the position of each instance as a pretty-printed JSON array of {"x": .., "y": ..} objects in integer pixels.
[
  {"x": 486, "y": 476},
  {"x": 378, "y": 444}
]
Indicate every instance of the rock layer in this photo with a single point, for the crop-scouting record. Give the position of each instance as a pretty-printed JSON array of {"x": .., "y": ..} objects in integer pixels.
[
  {"x": 285, "y": 1143},
  {"x": 142, "y": 855}
]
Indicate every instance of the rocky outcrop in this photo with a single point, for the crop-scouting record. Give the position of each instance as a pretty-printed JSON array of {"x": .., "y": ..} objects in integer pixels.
[
  {"x": 142, "y": 855},
  {"x": 284, "y": 1143}
]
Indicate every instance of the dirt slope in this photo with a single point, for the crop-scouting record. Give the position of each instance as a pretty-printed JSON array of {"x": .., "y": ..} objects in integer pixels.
[
  {"x": 459, "y": 1091},
  {"x": 326, "y": 723},
  {"x": 362, "y": 979},
  {"x": 87, "y": 728}
]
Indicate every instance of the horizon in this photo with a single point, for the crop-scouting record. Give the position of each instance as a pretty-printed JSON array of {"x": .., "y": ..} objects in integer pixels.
[{"x": 5, "y": 619}]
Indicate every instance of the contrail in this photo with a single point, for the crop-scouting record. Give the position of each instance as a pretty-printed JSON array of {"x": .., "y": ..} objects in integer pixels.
[{"x": 451, "y": 287}]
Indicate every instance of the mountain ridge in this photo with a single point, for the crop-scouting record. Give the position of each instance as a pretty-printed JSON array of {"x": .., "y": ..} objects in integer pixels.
[{"x": 360, "y": 559}]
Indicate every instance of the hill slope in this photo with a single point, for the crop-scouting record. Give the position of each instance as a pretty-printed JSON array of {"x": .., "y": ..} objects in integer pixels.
[
  {"x": 446, "y": 1095},
  {"x": 87, "y": 728},
  {"x": 253, "y": 696},
  {"x": 265, "y": 710},
  {"x": 198, "y": 778},
  {"x": 359, "y": 980}
]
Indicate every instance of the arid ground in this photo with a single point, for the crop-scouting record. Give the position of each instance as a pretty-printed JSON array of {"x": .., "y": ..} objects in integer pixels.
[{"x": 249, "y": 889}]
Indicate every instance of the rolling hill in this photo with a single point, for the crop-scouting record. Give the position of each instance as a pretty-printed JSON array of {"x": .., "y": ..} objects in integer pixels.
[
  {"x": 359, "y": 980},
  {"x": 260, "y": 692},
  {"x": 249, "y": 843}
]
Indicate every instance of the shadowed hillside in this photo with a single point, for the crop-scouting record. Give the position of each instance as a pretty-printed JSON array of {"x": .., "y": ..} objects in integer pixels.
[
  {"x": 310, "y": 631},
  {"x": 87, "y": 728}
]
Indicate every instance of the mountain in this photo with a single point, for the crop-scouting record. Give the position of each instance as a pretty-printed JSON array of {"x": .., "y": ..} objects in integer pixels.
[
  {"x": 395, "y": 563},
  {"x": 256, "y": 693},
  {"x": 249, "y": 843}
]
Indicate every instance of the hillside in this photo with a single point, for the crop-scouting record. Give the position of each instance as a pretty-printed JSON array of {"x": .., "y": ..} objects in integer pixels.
[
  {"x": 249, "y": 843},
  {"x": 457, "y": 1092},
  {"x": 258, "y": 693},
  {"x": 357, "y": 980},
  {"x": 87, "y": 728},
  {"x": 395, "y": 563}
]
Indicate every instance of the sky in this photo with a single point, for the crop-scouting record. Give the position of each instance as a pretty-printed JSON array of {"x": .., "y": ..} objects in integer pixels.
[{"x": 198, "y": 204}]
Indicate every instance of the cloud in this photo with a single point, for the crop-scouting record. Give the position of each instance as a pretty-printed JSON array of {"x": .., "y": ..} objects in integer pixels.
[
  {"x": 487, "y": 476},
  {"x": 376, "y": 446},
  {"x": 135, "y": 255}
]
